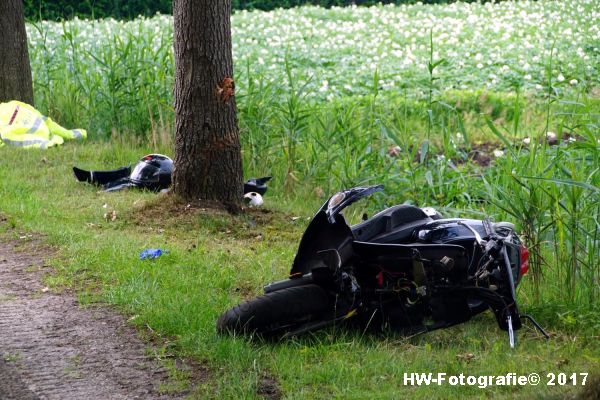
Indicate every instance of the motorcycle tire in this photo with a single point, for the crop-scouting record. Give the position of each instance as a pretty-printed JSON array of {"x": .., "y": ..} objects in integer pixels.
[{"x": 276, "y": 312}]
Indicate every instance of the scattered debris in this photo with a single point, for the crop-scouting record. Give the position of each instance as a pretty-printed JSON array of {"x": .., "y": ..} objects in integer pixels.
[
  {"x": 561, "y": 362},
  {"x": 498, "y": 153},
  {"x": 151, "y": 254},
  {"x": 394, "y": 151},
  {"x": 253, "y": 199},
  {"x": 467, "y": 357},
  {"x": 551, "y": 138},
  {"x": 110, "y": 216}
]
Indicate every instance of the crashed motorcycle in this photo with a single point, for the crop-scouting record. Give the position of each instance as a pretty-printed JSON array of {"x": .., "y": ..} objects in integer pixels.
[{"x": 405, "y": 269}]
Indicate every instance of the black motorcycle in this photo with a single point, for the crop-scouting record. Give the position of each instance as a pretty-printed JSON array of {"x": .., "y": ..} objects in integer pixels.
[{"x": 406, "y": 269}]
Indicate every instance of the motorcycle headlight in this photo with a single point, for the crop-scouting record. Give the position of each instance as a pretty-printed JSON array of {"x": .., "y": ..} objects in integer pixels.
[{"x": 335, "y": 200}]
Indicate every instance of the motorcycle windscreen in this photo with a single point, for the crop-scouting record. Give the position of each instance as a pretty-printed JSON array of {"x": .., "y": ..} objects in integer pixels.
[
  {"x": 343, "y": 199},
  {"x": 328, "y": 229}
]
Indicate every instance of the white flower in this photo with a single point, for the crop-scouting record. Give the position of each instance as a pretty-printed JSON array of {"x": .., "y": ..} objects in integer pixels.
[
  {"x": 351, "y": 45},
  {"x": 573, "y": 82}
]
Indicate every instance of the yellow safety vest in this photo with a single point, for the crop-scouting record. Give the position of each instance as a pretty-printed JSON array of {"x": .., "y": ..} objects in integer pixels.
[{"x": 23, "y": 126}]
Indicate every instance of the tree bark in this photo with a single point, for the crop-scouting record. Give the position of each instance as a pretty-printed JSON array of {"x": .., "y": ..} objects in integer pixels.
[
  {"x": 15, "y": 71},
  {"x": 208, "y": 162}
]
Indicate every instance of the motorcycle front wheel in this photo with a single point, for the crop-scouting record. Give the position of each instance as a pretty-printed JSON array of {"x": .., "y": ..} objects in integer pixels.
[{"x": 277, "y": 312}]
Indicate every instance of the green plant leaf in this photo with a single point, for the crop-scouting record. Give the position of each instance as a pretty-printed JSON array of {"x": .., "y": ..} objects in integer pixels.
[
  {"x": 424, "y": 150},
  {"x": 569, "y": 182}
]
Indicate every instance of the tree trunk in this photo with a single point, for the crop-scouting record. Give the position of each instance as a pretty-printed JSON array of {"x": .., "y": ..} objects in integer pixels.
[
  {"x": 15, "y": 71},
  {"x": 208, "y": 162}
]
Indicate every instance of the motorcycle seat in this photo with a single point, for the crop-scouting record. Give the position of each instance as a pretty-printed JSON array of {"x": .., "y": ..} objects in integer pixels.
[{"x": 394, "y": 224}]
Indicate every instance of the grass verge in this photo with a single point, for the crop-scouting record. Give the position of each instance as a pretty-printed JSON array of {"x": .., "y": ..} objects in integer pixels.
[{"x": 216, "y": 260}]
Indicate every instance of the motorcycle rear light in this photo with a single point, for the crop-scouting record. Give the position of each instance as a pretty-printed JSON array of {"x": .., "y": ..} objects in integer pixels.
[{"x": 524, "y": 260}]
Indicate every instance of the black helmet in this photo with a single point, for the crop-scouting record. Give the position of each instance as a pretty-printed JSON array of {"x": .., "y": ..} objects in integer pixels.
[{"x": 152, "y": 172}]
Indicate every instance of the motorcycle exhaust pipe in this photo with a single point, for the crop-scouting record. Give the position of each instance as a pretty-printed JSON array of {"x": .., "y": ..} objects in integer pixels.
[{"x": 288, "y": 283}]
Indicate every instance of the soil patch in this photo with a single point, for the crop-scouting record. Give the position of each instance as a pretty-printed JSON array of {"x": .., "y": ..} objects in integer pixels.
[{"x": 268, "y": 388}]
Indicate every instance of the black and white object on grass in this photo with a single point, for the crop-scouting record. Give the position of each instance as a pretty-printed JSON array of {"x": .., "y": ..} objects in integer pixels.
[
  {"x": 253, "y": 199},
  {"x": 257, "y": 185}
]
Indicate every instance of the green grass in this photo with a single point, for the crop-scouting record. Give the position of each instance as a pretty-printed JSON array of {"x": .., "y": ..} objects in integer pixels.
[
  {"x": 216, "y": 260},
  {"x": 319, "y": 120}
]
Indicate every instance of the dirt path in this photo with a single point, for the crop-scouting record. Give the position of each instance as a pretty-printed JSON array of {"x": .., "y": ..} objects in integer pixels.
[{"x": 52, "y": 349}]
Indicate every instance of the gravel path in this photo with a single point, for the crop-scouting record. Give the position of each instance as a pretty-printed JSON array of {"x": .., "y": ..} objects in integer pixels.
[{"x": 50, "y": 348}]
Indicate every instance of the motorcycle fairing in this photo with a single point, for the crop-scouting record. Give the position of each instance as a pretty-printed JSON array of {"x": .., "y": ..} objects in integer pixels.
[
  {"x": 343, "y": 199},
  {"x": 328, "y": 230},
  {"x": 321, "y": 235}
]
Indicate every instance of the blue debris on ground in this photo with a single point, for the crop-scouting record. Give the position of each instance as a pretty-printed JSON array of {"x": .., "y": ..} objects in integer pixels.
[{"x": 151, "y": 254}]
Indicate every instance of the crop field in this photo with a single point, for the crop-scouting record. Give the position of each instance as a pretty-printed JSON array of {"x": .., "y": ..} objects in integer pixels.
[
  {"x": 112, "y": 75},
  {"x": 338, "y": 52},
  {"x": 433, "y": 101}
]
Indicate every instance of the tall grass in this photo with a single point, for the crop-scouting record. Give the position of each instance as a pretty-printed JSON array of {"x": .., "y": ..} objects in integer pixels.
[
  {"x": 122, "y": 83},
  {"x": 554, "y": 192},
  {"x": 421, "y": 140}
]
